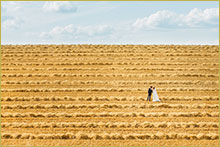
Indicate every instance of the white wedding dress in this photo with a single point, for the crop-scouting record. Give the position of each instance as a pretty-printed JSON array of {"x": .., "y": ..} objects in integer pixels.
[{"x": 155, "y": 96}]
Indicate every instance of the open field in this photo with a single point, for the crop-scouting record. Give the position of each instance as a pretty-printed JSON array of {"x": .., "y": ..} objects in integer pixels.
[{"x": 86, "y": 95}]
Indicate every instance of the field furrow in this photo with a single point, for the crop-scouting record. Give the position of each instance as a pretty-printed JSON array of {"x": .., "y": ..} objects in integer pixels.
[{"x": 96, "y": 95}]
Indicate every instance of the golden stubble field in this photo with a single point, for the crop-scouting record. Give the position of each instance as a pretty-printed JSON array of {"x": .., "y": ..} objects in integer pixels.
[{"x": 86, "y": 95}]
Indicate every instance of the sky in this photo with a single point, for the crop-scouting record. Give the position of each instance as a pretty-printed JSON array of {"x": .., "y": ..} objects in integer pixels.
[{"x": 110, "y": 22}]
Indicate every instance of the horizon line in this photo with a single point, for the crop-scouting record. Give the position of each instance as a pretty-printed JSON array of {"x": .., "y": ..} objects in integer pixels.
[{"x": 100, "y": 44}]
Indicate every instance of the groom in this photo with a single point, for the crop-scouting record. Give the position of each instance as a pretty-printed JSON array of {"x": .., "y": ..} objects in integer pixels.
[{"x": 149, "y": 93}]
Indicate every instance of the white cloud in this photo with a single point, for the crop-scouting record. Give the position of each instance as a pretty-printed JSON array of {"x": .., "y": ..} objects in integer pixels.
[
  {"x": 166, "y": 19},
  {"x": 10, "y": 6},
  {"x": 11, "y": 23},
  {"x": 9, "y": 19},
  {"x": 160, "y": 18},
  {"x": 8, "y": 10},
  {"x": 197, "y": 17},
  {"x": 58, "y": 6},
  {"x": 76, "y": 31}
]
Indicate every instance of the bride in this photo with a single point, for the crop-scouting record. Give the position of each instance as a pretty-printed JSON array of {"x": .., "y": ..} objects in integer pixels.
[{"x": 155, "y": 96}]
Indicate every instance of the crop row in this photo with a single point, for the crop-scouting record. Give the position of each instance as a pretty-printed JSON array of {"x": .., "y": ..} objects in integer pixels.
[
  {"x": 112, "y": 114},
  {"x": 171, "y": 63},
  {"x": 144, "y": 54},
  {"x": 111, "y": 68},
  {"x": 73, "y": 59},
  {"x": 114, "y": 136},
  {"x": 111, "y": 106},
  {"x": 145, "y": 60},
  {"x": 112, "y": 62},
  {"x": 95, "y": 98},
  {"x": 75, "y": 82},
  {"x": 110, "y": 75},
  {"x": 106, "y": 49},
  {"x": 117, "y": 49},
  {"x": 101, "y": 51},
  {"x": 112, "y": 125},
  {"x": 98, "y": 89},
  {"x": 109, "y": 50}
]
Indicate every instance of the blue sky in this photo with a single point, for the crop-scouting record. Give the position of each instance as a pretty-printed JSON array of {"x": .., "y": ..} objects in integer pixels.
[{"x": 105, "y": 22}]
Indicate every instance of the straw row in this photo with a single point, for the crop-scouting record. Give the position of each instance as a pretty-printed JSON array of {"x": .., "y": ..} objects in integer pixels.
[
  {"x": 111, "y": 106},
  {"x": 113, "y": 114},
  {"x": 110, "y": 98},
  {"x": 112, "y": 125},
  {"x": 114, "y": 136}
]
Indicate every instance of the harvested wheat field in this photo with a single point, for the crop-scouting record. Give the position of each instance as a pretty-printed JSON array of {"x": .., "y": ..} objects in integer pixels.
[{"x": 95, "y": 95}]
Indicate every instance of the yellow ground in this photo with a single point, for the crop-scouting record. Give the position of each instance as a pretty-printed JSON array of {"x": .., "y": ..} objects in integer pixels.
[{"x": 95, "y": 95}]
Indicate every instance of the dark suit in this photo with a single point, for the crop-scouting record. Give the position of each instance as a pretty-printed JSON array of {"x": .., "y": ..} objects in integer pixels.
[{"x": 149, "y": 94}]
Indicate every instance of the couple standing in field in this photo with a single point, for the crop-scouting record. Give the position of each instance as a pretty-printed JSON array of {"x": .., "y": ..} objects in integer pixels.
[{"x": 155, "y": 96}]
